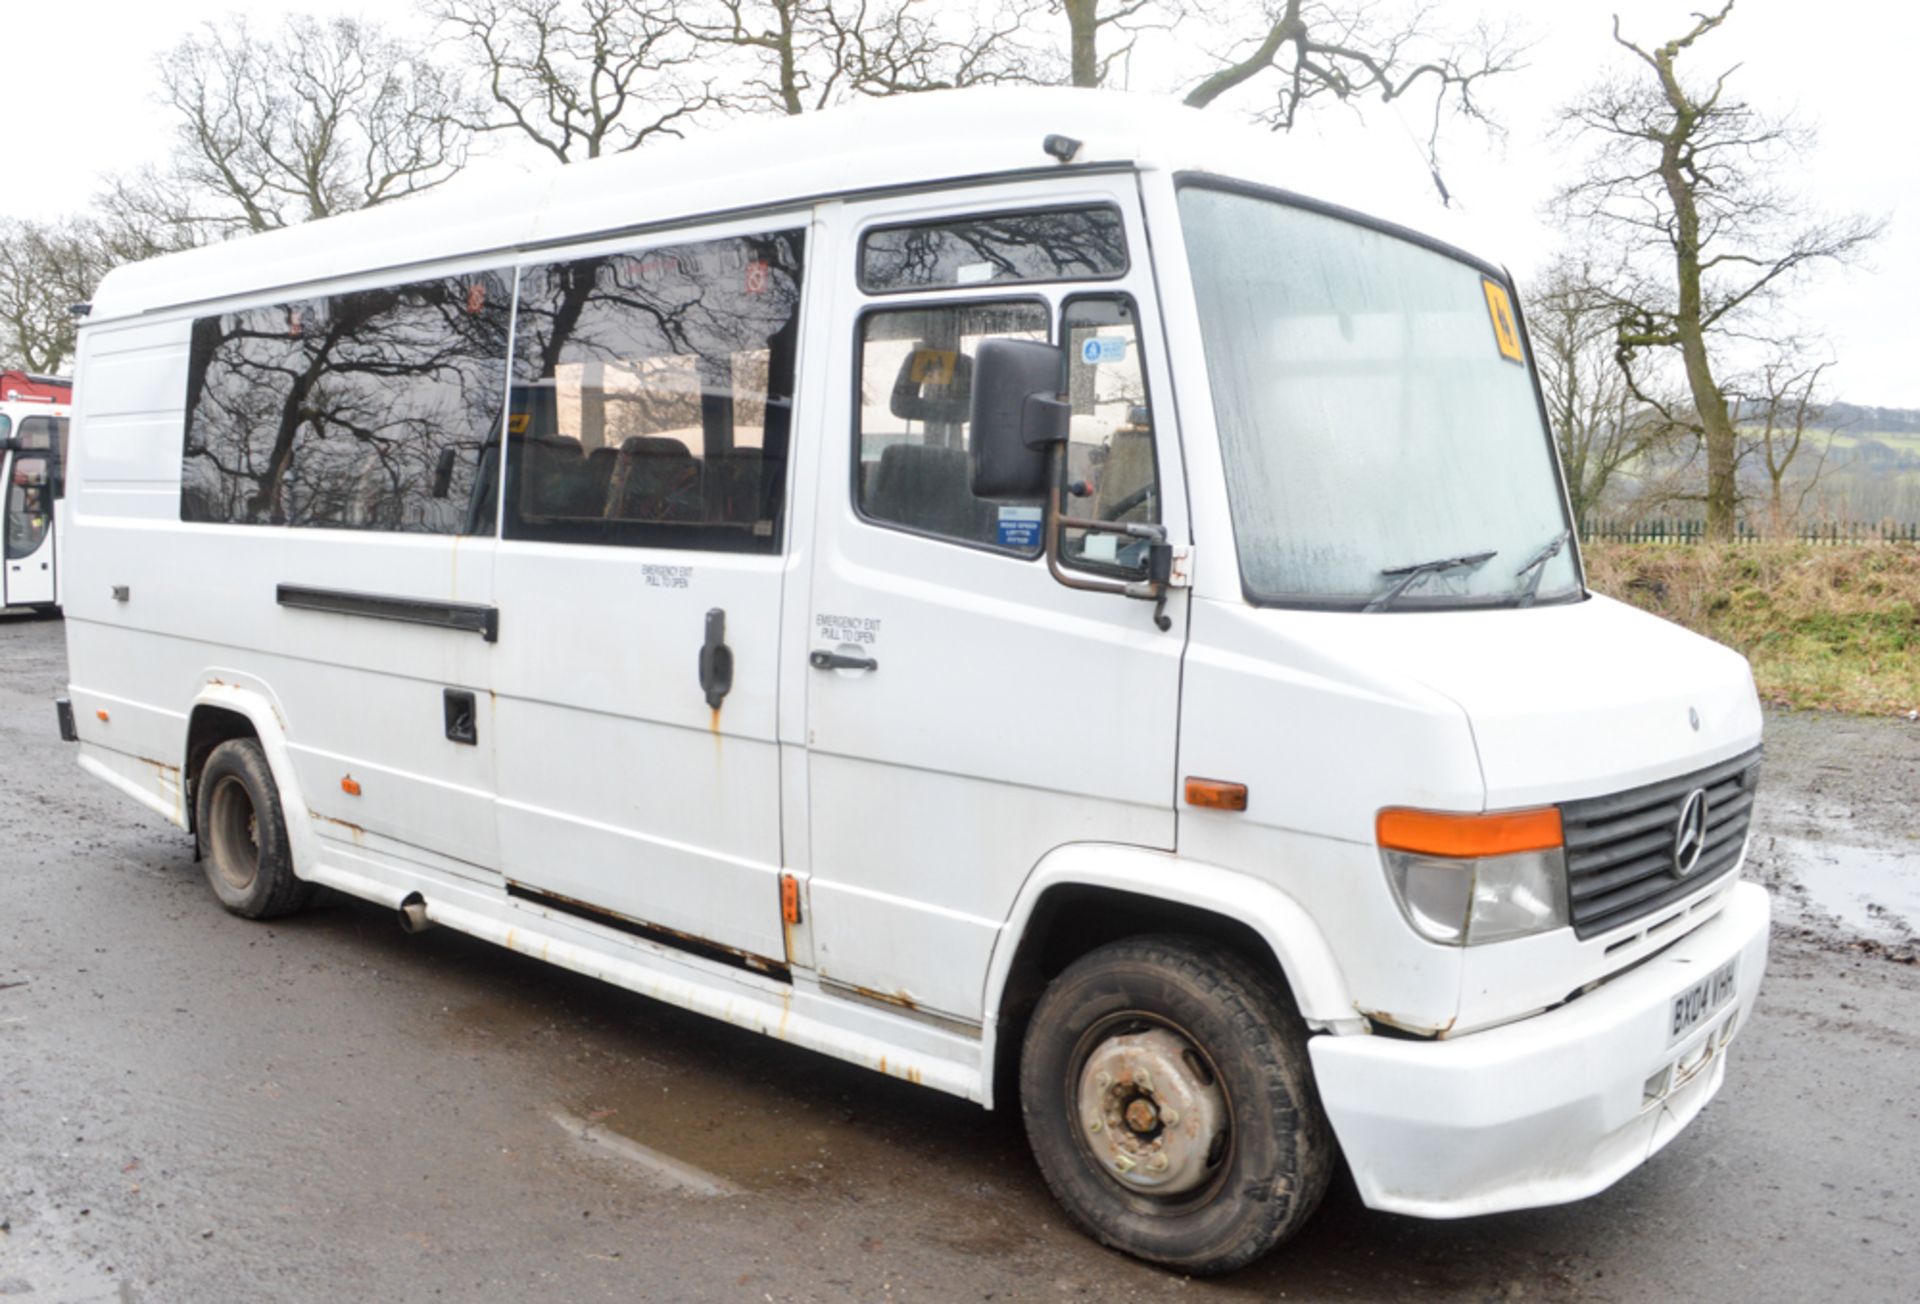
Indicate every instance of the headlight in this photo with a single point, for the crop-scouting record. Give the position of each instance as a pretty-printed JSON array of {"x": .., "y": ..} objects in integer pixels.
[{"x": 1463, "y": 880}]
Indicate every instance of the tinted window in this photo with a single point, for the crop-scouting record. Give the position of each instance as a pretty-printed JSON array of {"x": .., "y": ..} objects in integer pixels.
[
  {"x": 1069, "y": 244},
  {"x": 653, "y": 394},
  {"x": 373, "y": 410},
  {"x": 916, "y": 386}
]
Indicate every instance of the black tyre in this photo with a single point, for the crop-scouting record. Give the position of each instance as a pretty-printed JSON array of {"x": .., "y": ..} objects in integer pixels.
[
  {"x": 243, "y": 837},
  {"x": 1170, "y": 1104}
]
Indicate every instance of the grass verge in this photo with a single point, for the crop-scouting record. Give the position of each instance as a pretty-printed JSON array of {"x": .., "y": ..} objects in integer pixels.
[{"x": 1827, "y": 627}]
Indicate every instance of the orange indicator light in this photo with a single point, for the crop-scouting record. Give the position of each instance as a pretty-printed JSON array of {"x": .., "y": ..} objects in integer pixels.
[
  {"x": 1216, "y": 794},
  {"x": 1441, "y": 833}
]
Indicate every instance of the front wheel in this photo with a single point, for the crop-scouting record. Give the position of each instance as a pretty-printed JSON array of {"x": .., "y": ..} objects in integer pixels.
[{"x": 1170, "y": 1104}]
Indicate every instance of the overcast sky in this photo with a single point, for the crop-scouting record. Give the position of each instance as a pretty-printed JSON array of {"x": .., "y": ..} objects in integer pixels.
[{"x": 86, "y": 107}]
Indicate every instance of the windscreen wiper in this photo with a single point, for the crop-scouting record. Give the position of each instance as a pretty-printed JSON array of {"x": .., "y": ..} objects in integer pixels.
[
  {"x": 1406, "y": 577},
  {"x": 1530, "y": 573}
]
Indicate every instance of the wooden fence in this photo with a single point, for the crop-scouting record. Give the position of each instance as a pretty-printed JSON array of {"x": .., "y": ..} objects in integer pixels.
[{"x": 1676, "y": 531}]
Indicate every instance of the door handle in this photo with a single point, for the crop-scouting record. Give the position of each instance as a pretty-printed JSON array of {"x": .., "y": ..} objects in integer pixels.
[
  {"x": 716, "y": 660},
  {"x": 821, "y": 659}
]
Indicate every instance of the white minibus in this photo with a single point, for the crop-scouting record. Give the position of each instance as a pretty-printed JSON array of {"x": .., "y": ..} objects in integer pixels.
[{"x": 1027, "y": 591}]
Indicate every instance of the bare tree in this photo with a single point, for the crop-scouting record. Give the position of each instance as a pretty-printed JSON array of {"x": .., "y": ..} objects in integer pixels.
[
  {"x": 1782, "y": 399},
  {"x": 800, "y": 55},
  {"x": 1602, "y": 429},
  {"x": 45, "y": 268},
  {"x": 1353, "y": 50},
  {"x": 318, "y": 118},
  {"x": 578, "y": 78},
  {"x": 1089, "y": 20},
  {"x": 1685, "y": 179}
]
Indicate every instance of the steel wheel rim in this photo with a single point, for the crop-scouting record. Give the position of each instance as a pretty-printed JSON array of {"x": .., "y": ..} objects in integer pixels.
[
  {"x": 1095, "y": 1145},
  {"x": 233, "y": 829}
]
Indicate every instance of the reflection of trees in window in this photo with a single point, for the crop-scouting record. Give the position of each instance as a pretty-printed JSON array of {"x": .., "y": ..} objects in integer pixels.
[
  {"x": 658, "y": 389},
  {"x": 1059, "y": 245},
  {"x": 367, "y": 410}
]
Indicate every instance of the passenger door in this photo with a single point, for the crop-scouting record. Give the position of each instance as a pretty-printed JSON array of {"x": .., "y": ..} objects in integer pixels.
[
  {"x": 966, "y": 713},
  {"x": 29, "y": 543},
  {"x": 639, "y": 584}
]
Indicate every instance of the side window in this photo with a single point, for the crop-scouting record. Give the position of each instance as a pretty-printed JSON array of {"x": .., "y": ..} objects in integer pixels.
[
  {"x": 916, "y": 386},
  {"x": 373, "y": 410},
  {"x": 1063, "y": 244},
  {"x": 653, "y": 396},
  {"x": 29, "y": 504},
  {"x": 1111, "y": 473}
]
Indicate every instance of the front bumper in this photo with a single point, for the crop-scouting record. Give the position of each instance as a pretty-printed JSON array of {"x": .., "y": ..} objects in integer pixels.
[{"x": 1550, "y": 1108}]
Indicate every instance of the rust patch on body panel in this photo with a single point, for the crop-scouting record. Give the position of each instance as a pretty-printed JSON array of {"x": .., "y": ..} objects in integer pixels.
[
  {"x": 1400, "y": 1024},
  {"x": 354, "y": 831},
  {"x": 900, "y": 999},
  {"x": 692, "y": 943}
]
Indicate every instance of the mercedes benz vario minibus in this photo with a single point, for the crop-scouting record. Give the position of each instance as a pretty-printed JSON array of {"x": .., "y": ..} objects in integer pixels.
[{"x": 1030, "y": 592}]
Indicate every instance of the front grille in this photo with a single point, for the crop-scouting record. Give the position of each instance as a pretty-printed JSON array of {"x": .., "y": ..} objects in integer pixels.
[{"x": 1620, "y": 848}]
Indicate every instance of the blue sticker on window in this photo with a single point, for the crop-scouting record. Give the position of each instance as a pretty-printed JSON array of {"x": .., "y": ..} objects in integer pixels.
[
  {"x": 1103, "y": 348},
  {"x": 1020, "y": 527}
]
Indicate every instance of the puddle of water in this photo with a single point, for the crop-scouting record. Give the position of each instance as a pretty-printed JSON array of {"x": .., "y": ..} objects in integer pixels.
[{"x": 1873, "y": 892}]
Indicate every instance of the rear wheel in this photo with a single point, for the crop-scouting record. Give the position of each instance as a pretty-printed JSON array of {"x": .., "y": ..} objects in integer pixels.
[
  {"x": 243, "y": 836},
  {"x": 1170, "y": 1104}
]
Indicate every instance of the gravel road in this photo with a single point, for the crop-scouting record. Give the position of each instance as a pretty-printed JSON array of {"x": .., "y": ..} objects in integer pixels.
[{"x": 196, "y": 1108}]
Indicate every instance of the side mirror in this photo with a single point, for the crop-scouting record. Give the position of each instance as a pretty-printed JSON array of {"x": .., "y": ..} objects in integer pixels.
[
  {"x": 1018, "y": 417},
  {"x": 443, "y": 471}
]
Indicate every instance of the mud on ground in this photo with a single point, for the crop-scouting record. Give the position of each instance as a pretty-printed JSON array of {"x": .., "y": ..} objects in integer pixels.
[{"x": 196, "y": 1108}]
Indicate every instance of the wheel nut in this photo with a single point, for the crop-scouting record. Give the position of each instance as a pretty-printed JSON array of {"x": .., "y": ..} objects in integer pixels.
[
  {"x": 1123, "y": 1162},
  {"x": 1157, "y": 1164},
  {"x": 1095, "y": 1126},
  {"x": 1142, "y": 1081},
  {"x": 1104, "y": 1081},
  {"x": 1169, "y": 1116}
]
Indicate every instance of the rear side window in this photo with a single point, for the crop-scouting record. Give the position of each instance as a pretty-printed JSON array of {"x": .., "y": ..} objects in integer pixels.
[
  {"x": 653, "y": 396},
  {"x": 1059, "y": 244},
  {"x": 373, "y": 410},
  {"x": 916, "y": 389}
]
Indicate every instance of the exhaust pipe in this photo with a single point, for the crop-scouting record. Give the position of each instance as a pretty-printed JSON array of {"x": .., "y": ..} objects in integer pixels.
[{"x": 413, "y": 915}]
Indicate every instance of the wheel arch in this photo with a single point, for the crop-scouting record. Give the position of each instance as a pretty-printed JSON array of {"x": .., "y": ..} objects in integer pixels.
[
  {"x": 224, "y": 710},
  {"x": 1082, "y": 897}
]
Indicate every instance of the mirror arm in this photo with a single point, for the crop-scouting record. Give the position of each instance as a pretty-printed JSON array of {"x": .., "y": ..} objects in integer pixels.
[{"x": 1152, "y": 589}]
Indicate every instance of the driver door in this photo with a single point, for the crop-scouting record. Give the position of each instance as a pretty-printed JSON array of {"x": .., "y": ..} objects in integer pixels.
[{"x": 972, "y": 713}]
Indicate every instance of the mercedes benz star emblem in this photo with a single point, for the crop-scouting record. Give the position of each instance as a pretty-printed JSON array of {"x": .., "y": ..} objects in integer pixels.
[{"x": 1690, "y": 834}]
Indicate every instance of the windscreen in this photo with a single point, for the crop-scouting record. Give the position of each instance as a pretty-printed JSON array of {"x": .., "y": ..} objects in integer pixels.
[{"x": 1376, "y": 414}]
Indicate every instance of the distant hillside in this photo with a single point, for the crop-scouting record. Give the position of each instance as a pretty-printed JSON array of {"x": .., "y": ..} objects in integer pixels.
[
  {"x": 1849, "y": 417},
  {"x": 1853, "y": 416}
]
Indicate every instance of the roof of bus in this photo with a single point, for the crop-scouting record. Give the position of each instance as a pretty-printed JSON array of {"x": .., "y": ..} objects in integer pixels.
[{"x": 767, "y": 163}]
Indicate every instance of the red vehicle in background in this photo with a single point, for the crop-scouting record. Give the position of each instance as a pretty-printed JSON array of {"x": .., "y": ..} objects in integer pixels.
[{"x": 33, "y": 453}]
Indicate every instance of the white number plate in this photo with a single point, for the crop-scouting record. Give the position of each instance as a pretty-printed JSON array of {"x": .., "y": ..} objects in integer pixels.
[{"x": 1692, "y": 1007}]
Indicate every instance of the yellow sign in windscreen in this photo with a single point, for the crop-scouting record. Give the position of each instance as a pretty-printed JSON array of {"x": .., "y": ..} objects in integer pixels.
[{"x": 1506, "y": 332}]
